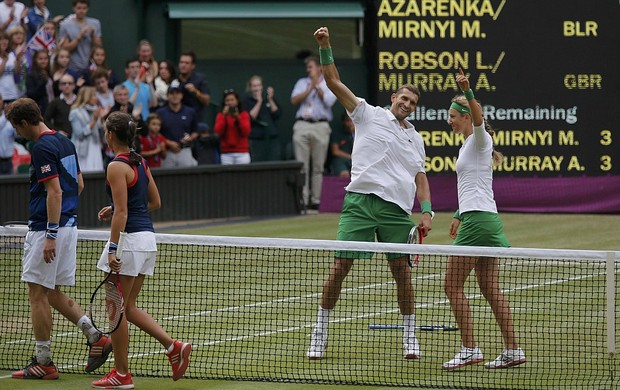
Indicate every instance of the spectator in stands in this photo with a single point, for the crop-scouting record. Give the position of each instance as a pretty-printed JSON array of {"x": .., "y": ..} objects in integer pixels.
[
  {"x": 81, "y": 33},
  {"x": 87, "y": 123},
  {"x": 264, "y": 111},
  {"x": 17, "y": 38},
  {"x": 97, "y": 61},
  {"x": 206, "y": 149},
  {"x": 387, "y": 175},
  {"x": 60, "y": 67},
  {"x": 7, "y": 143},
  {"x": 167, "y": 73},
  {"x": 196, "y": 93},
  {"x": 102, "y": 86},
  {"x": 232, "y": 124},
  {"x": 341, "y": 147},
  {"x": 476, "y": 223},
  {"x": 12, "y": 65},
  {"x": 39, "y": 80},
  {"x": 17, "y": 45},
  {"x": 144, "y": 51},
  {"x": 57, "y": 114},
  {"x": 12, "y": 13},
  {"x": 122, "y": 103},
  {"x": 153, "y": 145},
  {"x": 179, "y": 125},
  {"x": 51, "y": 27},
  {"x": 311, "y": 129},
  {"x": 140, "y": 86},
  {"x": 38, "y": 14}
]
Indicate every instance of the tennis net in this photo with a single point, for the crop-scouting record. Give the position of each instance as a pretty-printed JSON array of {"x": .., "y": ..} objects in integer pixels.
[{"x": 249, "y": 305}]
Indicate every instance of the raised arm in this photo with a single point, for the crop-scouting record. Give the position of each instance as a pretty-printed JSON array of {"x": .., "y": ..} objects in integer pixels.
[
  {"x": 474, "y": 106},
  {"x": 330, "y": 73}
]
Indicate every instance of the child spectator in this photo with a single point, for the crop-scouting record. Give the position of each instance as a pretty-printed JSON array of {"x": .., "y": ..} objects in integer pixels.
[
  {"x": 97, "y": 61},
  {"x": 60, "y": 67},
  {"x": 38, "y": 81},
  {"x": 153, "y": 145}
]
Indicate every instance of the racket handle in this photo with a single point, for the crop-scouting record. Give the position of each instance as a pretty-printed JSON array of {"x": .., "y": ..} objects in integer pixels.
[
  {"x": 425, "y": 328},
  {"x": 385, "y": 326},
  {"x": 121, "y": 245}
]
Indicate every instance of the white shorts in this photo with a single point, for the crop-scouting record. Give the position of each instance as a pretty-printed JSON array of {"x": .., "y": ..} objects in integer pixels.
[
  {"x": 139, "y": 252},
  {"x": 61, "y": 271}
]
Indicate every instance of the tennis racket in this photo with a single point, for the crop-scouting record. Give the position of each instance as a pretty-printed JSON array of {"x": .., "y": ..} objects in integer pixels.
[
  {"x": 106, "y": 304},
  {"x": 426, "y": 328},
  {"x": 415, "y": 237}
]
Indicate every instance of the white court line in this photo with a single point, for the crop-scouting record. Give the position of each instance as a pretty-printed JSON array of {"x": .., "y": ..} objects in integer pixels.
[
  {"x": 346, "y": 319},
  {"x": 419, "y": 306},
  {"x": 289, "y": 299}
]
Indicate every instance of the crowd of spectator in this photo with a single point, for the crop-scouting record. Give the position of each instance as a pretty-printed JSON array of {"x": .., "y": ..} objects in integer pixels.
[{"x": 59, "y": 61}]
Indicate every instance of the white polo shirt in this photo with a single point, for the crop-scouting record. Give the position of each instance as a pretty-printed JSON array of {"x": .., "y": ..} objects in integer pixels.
[
  {"x": 386, "y": 158},
  {"x": 474, "y": 172}
]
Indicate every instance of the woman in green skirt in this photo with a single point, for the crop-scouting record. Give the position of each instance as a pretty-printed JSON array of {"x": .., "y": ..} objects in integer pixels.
[{"x": 477, "y": 223}]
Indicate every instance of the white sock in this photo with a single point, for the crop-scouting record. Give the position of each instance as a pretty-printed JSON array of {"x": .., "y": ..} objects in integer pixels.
[
  {"x": 44, "y": 352},
  {"x": 322, "y": 319},
  {"x": 409, "y": 323},
  {"x": 86, "y": 326},
  {"x": 170, "y": 348}
]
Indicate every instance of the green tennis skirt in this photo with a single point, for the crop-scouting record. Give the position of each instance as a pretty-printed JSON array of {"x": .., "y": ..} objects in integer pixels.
[{"x": 481, "y": 228}]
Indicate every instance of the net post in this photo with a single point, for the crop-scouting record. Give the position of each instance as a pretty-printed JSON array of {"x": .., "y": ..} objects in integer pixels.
[{"x": 611, "y": 303}]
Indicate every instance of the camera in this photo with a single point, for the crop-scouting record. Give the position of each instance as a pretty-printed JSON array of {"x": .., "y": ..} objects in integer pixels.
[{"x": 233, "y": 110}]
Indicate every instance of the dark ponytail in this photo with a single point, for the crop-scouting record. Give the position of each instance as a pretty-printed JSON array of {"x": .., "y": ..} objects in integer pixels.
[{"x": 125, "y": 129}]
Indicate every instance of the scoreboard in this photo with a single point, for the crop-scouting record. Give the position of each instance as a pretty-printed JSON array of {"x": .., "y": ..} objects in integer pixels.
[{"x": 547, "y": 73}]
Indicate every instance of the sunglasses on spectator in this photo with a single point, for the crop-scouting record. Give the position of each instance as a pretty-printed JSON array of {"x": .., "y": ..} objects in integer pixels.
[
  {"x": 227, "y": 91},
  {"x": 66, "y": 83}
]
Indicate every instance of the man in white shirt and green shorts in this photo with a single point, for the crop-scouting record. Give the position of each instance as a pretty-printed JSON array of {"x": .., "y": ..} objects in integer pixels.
[{"x": 387, "y": 173}]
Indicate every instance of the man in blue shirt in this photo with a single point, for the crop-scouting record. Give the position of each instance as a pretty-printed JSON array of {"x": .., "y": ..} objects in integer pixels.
[
  {"x": 311, "y": 129},
  {"x": 140, "y": 87},
  {"x": 50, "y": 246},
  {"x": 196, "y": 93},
  {"x": 179, "y": 125}
]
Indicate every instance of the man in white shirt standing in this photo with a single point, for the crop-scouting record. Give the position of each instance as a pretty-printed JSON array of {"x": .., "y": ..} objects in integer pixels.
[
  {"x": 387, "y": 173},
  {"x": 311, "y": 130}
]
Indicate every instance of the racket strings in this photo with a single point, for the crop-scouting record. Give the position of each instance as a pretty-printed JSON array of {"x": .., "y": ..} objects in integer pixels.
[
  {"x": 114, "y": 303},
  {"x": 107, "y": 308}
]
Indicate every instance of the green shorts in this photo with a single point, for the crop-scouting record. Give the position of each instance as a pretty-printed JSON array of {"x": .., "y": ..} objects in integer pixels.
[
  {"x": 481, "y": 228},
  {"x": 366, "y": 216}
]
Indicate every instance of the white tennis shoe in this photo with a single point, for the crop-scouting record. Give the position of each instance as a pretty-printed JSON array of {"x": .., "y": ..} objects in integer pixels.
[
  {"x": 508, "y": 358},
  {"x": 465, "y": 357},
  {"x": 318, "y": 345},
  {"x": 411, "y": 347}
]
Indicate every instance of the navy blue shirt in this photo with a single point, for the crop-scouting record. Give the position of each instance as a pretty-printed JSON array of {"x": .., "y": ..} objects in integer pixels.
[
  {"x": 174, "y": 125},
  {"x": 53, "y": 156},
  {"x": 190, "y": 99},
  {"x": 138, "y": 217}
]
